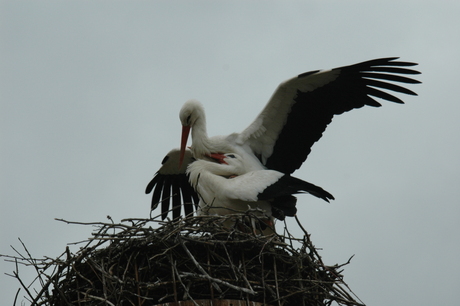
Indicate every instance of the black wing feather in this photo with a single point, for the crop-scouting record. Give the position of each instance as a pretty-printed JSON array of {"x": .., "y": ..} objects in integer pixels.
[
  {"x": 396, "y": 70},
  {"x": 189, "y": 197},
  {"x": 166, "y": 197},
  {"x": 158, "y": 188},
  {"x": 390, "y": 86},
  {"x": 176, "y": 201},
  {"x": 389, "y": 77},
  {"x": 382, "y": 95}
]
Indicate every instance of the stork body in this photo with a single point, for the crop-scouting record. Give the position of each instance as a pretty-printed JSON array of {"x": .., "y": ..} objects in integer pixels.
[{"x": 228, "y": 188}]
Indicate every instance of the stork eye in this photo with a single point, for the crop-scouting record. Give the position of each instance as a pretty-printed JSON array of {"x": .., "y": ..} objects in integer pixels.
[
  {"x": 188, "y": 119},
  {"x": 165, "y": 159},
  {"x": 231, "y": 156}
]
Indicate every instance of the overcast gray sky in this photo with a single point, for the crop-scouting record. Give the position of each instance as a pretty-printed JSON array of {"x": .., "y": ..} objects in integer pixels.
[{"x": 90, "y": 93}]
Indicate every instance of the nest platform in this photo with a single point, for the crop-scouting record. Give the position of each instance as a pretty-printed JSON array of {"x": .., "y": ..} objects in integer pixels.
[{"x": 192, "y": 261}]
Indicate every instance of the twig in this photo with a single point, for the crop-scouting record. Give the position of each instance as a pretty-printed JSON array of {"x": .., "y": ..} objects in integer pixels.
[
  {"x": 98, "y": 298},
  {"x": 173, "y": 266},
  {"x": 276, "y": 281},
  {"x": 206, "y": 275},
  {"x": 186, "y": 290},
  {"x": 216, "y": 280},
  {"x": 16, "y": 275},
  {"x": 16, "y": 297}
]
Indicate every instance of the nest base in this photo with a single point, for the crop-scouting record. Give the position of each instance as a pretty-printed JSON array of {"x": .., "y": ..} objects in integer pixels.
[{"x": 192, "y": 261}]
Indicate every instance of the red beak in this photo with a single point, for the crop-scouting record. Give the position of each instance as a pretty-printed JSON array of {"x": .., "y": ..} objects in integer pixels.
[
  {"x": 183, "y": 144},
  {"x": 218, "y": 157}
]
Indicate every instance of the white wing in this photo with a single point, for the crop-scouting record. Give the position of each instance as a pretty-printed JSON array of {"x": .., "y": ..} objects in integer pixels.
[{"x": 247, "y": 187}]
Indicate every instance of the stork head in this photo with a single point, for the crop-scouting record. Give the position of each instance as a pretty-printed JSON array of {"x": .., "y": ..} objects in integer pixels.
[
  {"x": 218, "y": 157},
  {"x": 233, "y": 160},
  {"x": 191, "y": 111}
]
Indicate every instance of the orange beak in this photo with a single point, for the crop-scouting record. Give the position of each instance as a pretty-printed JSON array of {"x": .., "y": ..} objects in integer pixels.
[{"x": 183, "y": 144}]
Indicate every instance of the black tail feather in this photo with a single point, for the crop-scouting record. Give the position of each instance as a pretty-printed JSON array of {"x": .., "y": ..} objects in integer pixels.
[{"x": 288, "y": 185}]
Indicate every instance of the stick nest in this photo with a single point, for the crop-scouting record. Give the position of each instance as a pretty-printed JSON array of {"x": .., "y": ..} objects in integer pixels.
[{"x": 150, "y": 262}]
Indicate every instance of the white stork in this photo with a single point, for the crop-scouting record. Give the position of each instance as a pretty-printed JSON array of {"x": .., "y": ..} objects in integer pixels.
[
  {"x": 281, "y": 136},
  {"x": 228, "y": 188}
]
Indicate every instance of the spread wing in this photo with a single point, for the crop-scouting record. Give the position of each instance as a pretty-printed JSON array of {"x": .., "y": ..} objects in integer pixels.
[
  {"x": 171, "y": 187},
  {"x": 301, "y": 108}
]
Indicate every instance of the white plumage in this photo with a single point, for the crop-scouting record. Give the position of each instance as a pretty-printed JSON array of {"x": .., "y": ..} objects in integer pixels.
[{"x": 227, "y": 188}]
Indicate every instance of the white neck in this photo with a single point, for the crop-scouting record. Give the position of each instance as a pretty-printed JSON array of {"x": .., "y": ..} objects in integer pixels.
[{"x": 200, "y": 140}]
